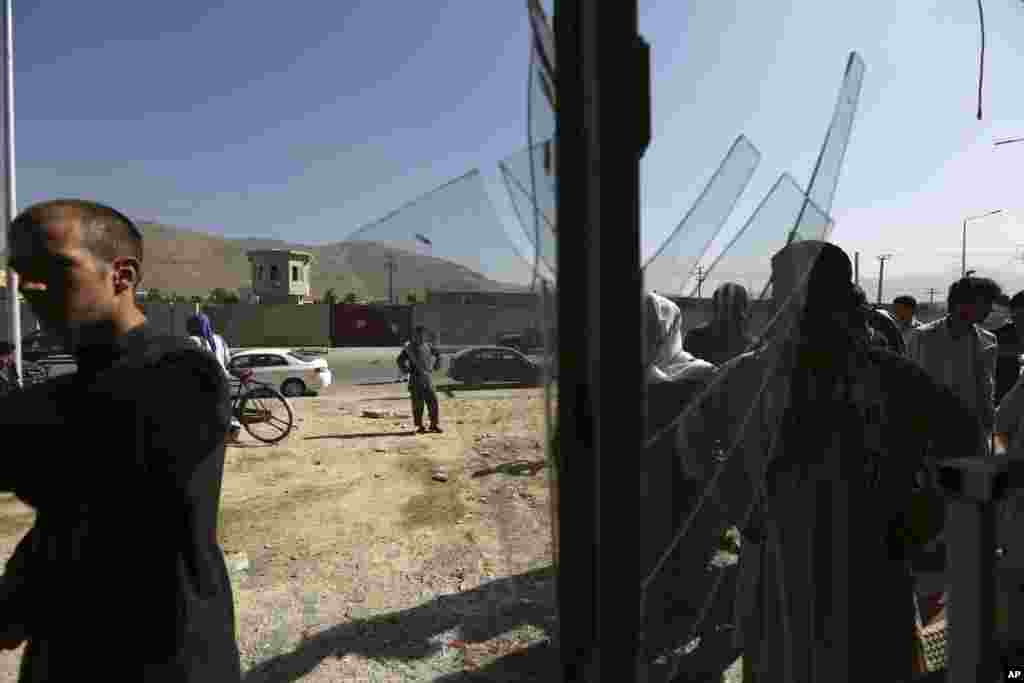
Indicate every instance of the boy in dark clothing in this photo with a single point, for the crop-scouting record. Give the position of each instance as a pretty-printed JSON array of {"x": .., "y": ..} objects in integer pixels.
[
  {"x": 123, "y": 557},
  {"x": 418, "y": 359}
]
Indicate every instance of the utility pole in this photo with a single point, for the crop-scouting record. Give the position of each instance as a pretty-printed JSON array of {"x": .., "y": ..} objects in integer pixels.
[
  {"x": 701, "y": 275},
  {"x": 931, "y": 296},
  {"x": 881, "y": 273},
  {"x": 390, "y": 265},
  {"x": 856, "y": 267}
]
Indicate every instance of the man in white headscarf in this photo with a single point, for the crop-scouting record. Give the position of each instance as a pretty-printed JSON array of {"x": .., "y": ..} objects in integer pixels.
[
  {"x": 822, "y": 436},
  {"x": 673, "y": 378}
]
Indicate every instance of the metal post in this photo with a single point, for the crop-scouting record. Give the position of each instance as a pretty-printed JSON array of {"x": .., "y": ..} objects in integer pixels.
[
  {"x": 881, "y": 275},
  {"x": 10, "y": 206},
  {"x": 390, "y": 265},
  {"x": 973, "y": 487},
  {"x": 856, "y": 267},
  {"x": 963, "y": 252},
  {"x": 602, "y": 62}
]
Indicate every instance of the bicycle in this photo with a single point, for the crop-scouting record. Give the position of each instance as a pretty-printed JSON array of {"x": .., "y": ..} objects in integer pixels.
[
  {"x": 31, "y": 373},
  {"x": 253, "y": 404}
]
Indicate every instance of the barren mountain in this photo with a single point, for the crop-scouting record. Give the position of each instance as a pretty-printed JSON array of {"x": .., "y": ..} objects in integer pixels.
[{"x": 191, "y": 263}]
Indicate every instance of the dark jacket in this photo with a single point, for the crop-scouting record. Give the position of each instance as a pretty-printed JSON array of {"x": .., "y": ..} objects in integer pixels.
[
  {"x": 707, "y": 343},
  {"x": 418, "y": 361},
  {"x": 122, "y": 575},
  {"x": 1008, "y": 363}
]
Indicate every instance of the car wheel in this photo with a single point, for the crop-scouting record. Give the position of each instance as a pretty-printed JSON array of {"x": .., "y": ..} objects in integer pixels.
[{"x": 293, "y": 387}]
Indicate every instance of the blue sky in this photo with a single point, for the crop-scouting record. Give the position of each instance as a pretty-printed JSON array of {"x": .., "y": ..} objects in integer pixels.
[{"x": 257, "y": 119}]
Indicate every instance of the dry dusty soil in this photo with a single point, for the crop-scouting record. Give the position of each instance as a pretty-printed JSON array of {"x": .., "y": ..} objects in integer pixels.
[{"x": 351, "y": 562}]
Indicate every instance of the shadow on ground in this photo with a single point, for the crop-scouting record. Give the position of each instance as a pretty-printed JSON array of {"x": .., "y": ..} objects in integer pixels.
[
  {"x": 403, "y": 640},
  {"x": 455, "y": 387},
  {"x": 360, "y": 436},
  {"x": 405, "y": 636}
]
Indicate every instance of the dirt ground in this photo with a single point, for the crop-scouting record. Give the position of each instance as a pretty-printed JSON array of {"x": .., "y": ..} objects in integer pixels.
[{"x": 350, "y": 562}]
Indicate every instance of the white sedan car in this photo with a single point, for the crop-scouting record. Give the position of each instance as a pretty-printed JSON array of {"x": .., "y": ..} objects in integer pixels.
[{"x": 292, "y": 373}]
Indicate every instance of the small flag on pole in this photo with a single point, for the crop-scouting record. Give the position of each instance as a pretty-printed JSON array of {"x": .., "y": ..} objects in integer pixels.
[{"x": 423, "y": 239}]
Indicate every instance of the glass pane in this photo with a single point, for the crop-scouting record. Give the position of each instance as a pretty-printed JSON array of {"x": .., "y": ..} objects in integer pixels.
[
  {"x": 825, "y": 178},
  {"x": 785, "y": 213},
  {"x": 711, "y": 428},
  {"x": 704, "y": 425},
  {"x": 673, "y": 266}
]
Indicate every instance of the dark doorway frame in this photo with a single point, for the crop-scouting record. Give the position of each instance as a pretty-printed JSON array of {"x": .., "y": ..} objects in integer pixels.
[{"x": 602, "y": 130}]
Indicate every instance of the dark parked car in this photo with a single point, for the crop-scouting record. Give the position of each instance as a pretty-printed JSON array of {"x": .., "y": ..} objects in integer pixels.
[{"x": 493, "y": 364}]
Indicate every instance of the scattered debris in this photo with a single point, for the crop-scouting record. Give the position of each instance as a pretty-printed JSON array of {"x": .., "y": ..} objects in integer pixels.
[
  {"x": 439, "y": 474},
  {"x": 238, "y": 563},
  {"x": 380, "y": 450},
  {"x": 517, "y": 468},
  {"x": 378, "y": 414}
]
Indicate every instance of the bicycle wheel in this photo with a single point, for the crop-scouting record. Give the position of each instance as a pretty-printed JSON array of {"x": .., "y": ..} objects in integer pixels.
[
  {"x": 34, "y": 373},
  {"x": 266, "y": 414}
]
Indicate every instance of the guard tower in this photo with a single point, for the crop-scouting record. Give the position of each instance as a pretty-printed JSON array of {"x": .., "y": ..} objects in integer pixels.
[{"x": 280, "y": 276}]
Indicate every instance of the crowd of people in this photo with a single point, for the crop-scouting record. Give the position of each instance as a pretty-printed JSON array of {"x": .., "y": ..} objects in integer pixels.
[
  {"x": 813, "y": 431},
  {"x": 829, "y": 426}
]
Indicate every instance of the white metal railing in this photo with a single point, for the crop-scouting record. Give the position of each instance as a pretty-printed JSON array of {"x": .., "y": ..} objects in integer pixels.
[{"x": 973, "y": 488}]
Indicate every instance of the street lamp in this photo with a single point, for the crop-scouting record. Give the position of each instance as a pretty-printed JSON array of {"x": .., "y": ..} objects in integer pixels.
[{"x": 963, "y": 252}]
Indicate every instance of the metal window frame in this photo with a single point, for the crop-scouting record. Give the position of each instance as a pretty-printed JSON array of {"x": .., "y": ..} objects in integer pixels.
[{"x": 603, "y": 85}]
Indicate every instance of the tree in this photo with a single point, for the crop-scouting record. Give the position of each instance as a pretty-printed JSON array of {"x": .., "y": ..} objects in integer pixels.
[
  {"x": 330, "y": 297},
  {"x": 196, "y": 299},
  {"x": 154, "y": 294},
  {"x": 351, "y": 298},
  {"x": 219, "y": 295},
  {"x": 411, "y": 298}
]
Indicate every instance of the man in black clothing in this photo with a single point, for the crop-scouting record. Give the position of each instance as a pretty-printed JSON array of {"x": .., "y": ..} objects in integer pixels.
[
  {"x": 904, "y": 309},
  {"x": 418, "y": 359},
  {"x": 823, "y": 436},
  {"x": 725, "y": 336},
  {"x": 121, "y": 577},
  {"x": 1011, "y": 346}
]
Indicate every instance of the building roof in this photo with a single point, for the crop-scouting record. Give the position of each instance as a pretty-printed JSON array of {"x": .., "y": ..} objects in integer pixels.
[{"x": 270, "y": 252}]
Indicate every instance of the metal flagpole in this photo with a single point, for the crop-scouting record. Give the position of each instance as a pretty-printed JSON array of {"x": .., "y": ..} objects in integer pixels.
[{"x": 10, "y": 204}]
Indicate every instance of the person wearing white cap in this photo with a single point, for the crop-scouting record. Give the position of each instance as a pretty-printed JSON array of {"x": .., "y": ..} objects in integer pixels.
[{"x": 673, "y": 377}]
